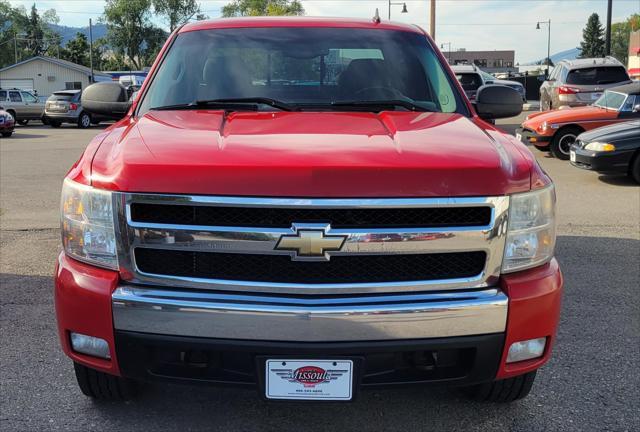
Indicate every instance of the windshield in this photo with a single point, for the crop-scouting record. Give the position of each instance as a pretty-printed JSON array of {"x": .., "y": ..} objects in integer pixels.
[
  {"x": 307, "y": 68},
  {"x": 611, "y": 100}
]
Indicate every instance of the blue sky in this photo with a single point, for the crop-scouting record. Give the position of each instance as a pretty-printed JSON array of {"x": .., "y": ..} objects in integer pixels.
[{"x": 470, "y": 24}]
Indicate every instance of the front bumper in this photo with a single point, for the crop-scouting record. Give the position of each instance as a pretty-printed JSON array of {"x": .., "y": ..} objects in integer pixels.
[
  {"x": 92, "y": 301},
  {"x": 531, "y": 137},
  {"x": 604, "y": 162}
]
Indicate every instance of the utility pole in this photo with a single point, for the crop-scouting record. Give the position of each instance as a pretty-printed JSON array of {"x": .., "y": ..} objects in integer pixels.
[
  {"x": 91, "y": 49},
  {"x": 15, "y": 46},
  {"x": 607, "y": 43},
  {"x": 432, "y": 20}
]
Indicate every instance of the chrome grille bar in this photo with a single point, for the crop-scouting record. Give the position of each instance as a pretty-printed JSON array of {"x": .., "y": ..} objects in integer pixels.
[{"x": 262, "y": 240}]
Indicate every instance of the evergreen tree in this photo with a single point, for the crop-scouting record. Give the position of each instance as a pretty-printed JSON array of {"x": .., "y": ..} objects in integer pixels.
[{"x": 592, "y": 44}]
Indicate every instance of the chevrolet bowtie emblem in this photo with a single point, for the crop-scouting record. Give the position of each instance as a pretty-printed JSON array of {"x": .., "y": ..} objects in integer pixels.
[{"x": 310, "y": 244}]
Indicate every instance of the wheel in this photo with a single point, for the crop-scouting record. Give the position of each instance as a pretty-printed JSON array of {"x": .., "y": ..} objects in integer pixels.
[
  {"x": 562, "y": 141},
  {"x": 634, "y": 168},
  {"x": 507, "y": 390},
  {"x": 84, "y": 121},
  {"x": 6, "y": 134},
  {"x": 13, "y": 113},
  {"x": 542, "y": 148},
  {"x": 44, "y": 120},
  {"x": 102, "y": 386},
  {"x": 54, "y": 123},
  {"x": 23, "y": 122}
]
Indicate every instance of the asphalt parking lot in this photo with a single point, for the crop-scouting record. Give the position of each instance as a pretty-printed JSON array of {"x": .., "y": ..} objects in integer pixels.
[{"x": 591, "y": 383}]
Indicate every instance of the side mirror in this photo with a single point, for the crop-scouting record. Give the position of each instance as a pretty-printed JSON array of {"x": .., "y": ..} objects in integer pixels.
[
  {"x": 496, "y": 101},
  {"x": 636, "y": 108},
  {"x": 108, "y": 99}
]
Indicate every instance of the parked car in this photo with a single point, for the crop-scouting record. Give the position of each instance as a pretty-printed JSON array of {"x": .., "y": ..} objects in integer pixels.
[
  {"x": 22, "y": 105},
  {"x": 581, "y": 82},
  {"x": 7, "y": 123},
  {"x": 64, "y": 106},
  {"x": 557, "y": 130},
  {"x": 221, "y": 231},
  {"x": 611, "y": 149},
  {"x": 471, "y": 78}
]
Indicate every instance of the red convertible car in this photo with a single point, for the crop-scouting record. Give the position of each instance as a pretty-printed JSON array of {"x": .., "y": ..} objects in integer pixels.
[{"x": 557, "y": 130}]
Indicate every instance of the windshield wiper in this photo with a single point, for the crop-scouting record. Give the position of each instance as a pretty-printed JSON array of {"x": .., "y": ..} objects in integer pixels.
[
  {"x": 255, "y": 100},
  {"x": 382, "y": 104},
  {"x": 230, "y": 104},
  {"x": 226, "y": 106}
]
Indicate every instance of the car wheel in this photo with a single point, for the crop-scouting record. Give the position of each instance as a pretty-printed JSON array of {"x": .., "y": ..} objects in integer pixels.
[
  {"x": 6, "y": 134},
  {"x": 562, "y": 141},
  {"x": 634, "y": 168},
  {"x": 84, "y": 121},
  {"x": 102, "y": 386},
  {"x": 13, "y": 114},
  {"x": 23, "y": 122},
  {"x": 54, "y": 123},
  {"x": 507, "y": 390}
]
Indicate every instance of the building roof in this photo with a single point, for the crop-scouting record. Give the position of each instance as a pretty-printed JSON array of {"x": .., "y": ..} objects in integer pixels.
[
  {"x": 64, "y": 63},
  {"x": 297, "y": 21}
]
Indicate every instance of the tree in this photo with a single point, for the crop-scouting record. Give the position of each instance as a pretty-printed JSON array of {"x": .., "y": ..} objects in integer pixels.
[
  {"x": 77, "y": 50},
  {"x": 176, "y": 12},
  {"x": 262, "y": 8},
  {"x": 130, "y": 31},
  {"x": 620, "y": 37},
  {"x": 592, "y": 44}
]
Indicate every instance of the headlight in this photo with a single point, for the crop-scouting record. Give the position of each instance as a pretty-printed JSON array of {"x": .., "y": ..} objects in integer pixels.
[
  {"x": 543, "y": 127},
  {"x": 531, "y": 236},
  {"x": 87, "y": 225},
  {"x": 600, "y": 147}
]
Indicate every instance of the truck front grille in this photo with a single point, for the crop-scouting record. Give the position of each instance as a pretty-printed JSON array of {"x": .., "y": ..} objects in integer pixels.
[
  {"x": 284, "y": 217},
  {"x": 340, "y": 269},
  {"x": 232, "y": 243}
]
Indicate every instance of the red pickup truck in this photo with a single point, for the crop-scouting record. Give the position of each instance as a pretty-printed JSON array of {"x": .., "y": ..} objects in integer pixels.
[{"x": 310, "y": 207}]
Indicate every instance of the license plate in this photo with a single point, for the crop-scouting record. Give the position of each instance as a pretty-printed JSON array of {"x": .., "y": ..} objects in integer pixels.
[
  {"x": 309, "y": 379},
  {"x": 519, "y": 137},
  {"x": 572, "y": 156},
  {"x": 595, "y": 96}
]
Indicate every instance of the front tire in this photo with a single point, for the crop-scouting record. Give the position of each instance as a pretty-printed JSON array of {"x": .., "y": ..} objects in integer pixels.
[
  {"x": 504, "y": 391},
  {"x": 102, "y": 386},
  {"x": 84, "y": 121},
  {"x": 634, "y": 168},
  {"x": 562, "y": 141}
]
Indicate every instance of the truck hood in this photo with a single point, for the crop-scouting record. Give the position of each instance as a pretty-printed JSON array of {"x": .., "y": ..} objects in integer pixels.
[{"x": 310, "y": 154}]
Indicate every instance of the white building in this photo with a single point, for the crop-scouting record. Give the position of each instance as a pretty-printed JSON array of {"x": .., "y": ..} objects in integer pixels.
[{"x": 46, "y": 75}]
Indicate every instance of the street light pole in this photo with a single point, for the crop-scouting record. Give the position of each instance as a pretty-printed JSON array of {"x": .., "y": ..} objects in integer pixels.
[
  {"x": 548, "y": 62},
  {"x": 404, "y": 7},
  {"x": 91, "y": 50}
]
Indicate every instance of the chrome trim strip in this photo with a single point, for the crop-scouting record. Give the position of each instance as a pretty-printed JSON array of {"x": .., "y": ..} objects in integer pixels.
[
  {"x": 345, "y": 318},
  {"x": 490, "y": 238}
]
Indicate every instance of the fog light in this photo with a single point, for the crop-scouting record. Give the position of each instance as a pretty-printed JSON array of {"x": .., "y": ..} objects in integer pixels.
[
  {"x": 526, "y": 350},
  {"x": 90, "y": 345}
]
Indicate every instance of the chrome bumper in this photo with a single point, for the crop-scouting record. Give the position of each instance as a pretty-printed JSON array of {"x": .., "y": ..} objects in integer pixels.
[{"x": 282, "y": 318}]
